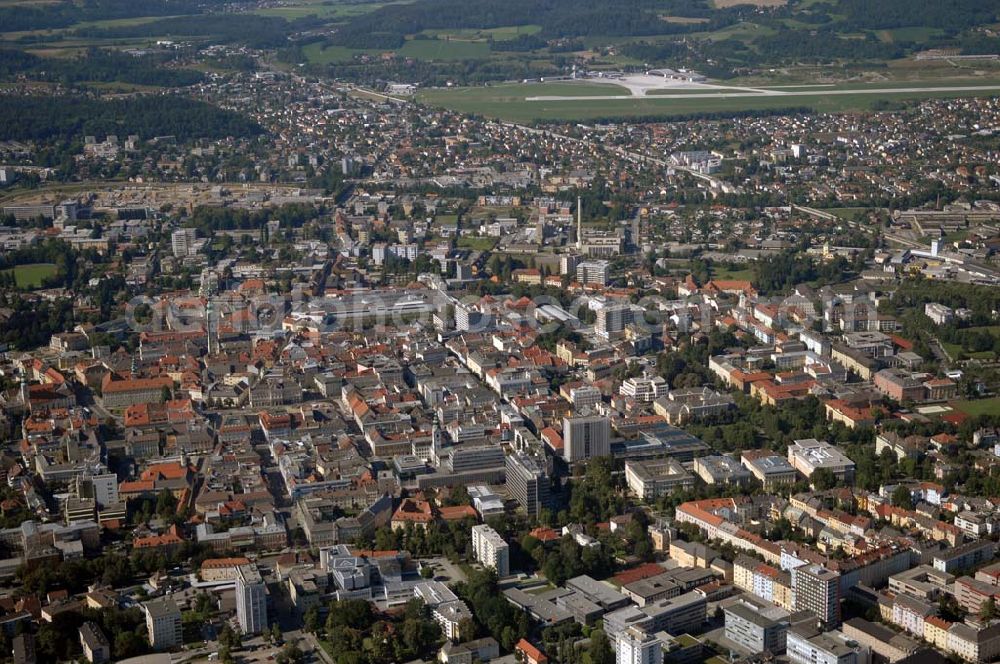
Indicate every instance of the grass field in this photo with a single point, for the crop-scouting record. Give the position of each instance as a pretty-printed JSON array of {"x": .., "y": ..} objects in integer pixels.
[
  {"x": 505, "y": 33},
  {"x": 515, "y": 93},
  {"x": 316, "y": 54},
  {"x": 509, "y": 102},
  {"x": 477, "y": 243},
  {"x": 683, "y": 20},
  {"x": 918, "y": 35},
  {"x": 439, "y": 49},
  {"x": 745, "y": 32},
  {"x": 955, "y": 350},
  {"x": 979, "y": 406},
  {"x": 420, "y": 49},
  {"x": 32, "y": 274},
  {"x": 848, "y": 213},
  {"x": 332, "y": 11},
  {"x": 951, "y": 81},
  {"x": 722, "y": 4},
  {"x": 728, "y": 273},
  {"x": 109, "y": 23}
]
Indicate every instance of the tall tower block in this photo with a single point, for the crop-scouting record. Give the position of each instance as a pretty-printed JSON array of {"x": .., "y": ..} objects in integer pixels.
[{"x": 579, "y": 222}]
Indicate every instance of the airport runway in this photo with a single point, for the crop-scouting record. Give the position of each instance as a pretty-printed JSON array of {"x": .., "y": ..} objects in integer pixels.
[{"x": 772, "y": 93}]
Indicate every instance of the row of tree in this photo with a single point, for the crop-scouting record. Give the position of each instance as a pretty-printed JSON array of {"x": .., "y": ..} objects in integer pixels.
[{"x": 210, "y": 219}]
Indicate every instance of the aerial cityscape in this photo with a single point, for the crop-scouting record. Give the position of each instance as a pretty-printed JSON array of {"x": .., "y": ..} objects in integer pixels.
[{"x": 512, "y": 332}]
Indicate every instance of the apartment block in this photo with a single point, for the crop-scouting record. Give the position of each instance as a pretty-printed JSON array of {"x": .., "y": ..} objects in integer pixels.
[{"x": 491, "y": 550}]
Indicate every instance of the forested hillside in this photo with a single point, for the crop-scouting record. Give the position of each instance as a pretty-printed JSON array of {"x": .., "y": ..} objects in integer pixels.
[{"x": 45, "y": 118}]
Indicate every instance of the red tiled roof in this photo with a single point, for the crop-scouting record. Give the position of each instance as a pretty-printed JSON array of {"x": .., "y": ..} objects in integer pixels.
[
  {"x": 940, "y": 623},
  {"x": 531, "y": 651},
  {"x": 643, "y": 571},
  {"x": 168, "y": 538},
  {"x": 222, "y": 563},
  {"x": 139, "y": 486},
  {"x": 545, "y": 534},
  {"x": 414, "y": 510},
  {"x": 112, "y": 386},
  {"x": 168, "y": 471},
  {"x": 553, "y": 437}
]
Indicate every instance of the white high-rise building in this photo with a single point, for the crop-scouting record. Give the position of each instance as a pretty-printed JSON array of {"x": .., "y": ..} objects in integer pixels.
[
  {"x": 635, "y": 646},
  {"x": 586, "y": 436},
  {"x": 251, "y": 600},
  {"x": 579, "y": 222},
  {"x": 528, "y": 482},
  {"x": 593, "y": 273},
  {"x": 817, "y": 589},
  {"x": 612, "y": 320},
  {"x": 163, "y": 623},
  {"x": 182, "y": 242},
  {"x": 491, "y": 550},
  {"x": 469, "y": 318},
  {"x": 105, "y": 488}
]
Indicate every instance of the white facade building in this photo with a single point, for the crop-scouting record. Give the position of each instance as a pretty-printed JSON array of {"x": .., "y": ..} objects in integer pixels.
[
  {"x": 163, "y": 623},
  {"x": 813, "y": 647},
  {"x": 251, "y": 600},
  {"x": 491, "y": 550},
  {"x": 182, "y": 242},
  {"x": 645, "y": 388},
  {"x": 635, "y": 646},
  {"x": 585, "y": 437}
]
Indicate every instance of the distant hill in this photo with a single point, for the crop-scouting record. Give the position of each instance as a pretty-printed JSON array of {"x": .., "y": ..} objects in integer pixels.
[{"x": 389, "y": 26}]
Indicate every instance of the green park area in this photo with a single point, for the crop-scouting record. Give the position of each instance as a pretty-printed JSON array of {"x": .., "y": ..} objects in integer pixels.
[
  {"x": 32, "y": 275},
  {"x": 978, "y": 407},
  {"x": 477, "y": 243}
]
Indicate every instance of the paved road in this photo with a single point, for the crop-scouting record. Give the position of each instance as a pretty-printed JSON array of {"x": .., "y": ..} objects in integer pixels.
[
  {"x": 87, "y": 398},
  {"x": 310, "y": 643},
  {"x": 939, "y": 351},
  {"x": 445, "y": 570}
]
